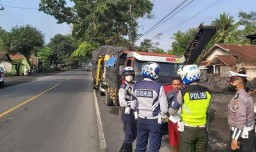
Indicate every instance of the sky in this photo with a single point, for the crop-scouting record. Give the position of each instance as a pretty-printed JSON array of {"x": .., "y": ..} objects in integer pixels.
[{"x": 23, "y": 12}]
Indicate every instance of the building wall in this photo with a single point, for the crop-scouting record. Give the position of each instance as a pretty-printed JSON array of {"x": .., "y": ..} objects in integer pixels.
[
  {"x": 6, "y": 66},
  {"x": 224, "y": 70},
  {"x": 251, "y": 74},
  {"x": 216, "y": 52}
]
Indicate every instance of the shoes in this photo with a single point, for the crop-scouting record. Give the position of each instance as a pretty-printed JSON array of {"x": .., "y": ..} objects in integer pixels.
[{"x": 126, "y": 147}]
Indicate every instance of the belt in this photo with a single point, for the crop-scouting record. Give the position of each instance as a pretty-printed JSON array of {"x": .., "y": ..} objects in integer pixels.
[
  {"x": 248, "y": 128},
  {"x": 201, "y": 126},
  {"x": 148, "y": 117}
]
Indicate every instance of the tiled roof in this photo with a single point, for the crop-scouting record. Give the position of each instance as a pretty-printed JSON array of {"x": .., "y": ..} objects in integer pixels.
[
  {"x": 17, "y": 56},
  {"x": 247, "y": 53},
  {"x": 204, "y": 62},
  {"x": 227, "y": 59}
]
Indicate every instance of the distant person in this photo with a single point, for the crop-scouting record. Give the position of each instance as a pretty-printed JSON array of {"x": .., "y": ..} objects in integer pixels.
[
  {"x": 241, "y": 116},
  {"x": 152, "y": 105},
  {"x": 194, "y": 101},
  {"x": 127, "y": 104},
  {"x": 172, "y": 123}
]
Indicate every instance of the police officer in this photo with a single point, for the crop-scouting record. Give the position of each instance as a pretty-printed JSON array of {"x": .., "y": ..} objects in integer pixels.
[
  {"x": 127, "y": 105},
  {"x": 152, "y": 104},
  {"x": 194, "y": 102},
  {"x": 241, "y": 116}
]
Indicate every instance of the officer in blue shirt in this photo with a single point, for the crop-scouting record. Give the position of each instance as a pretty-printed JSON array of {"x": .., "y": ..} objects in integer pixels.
[
  {"x": 151, "y": 104},
  {"x": 127, "y": 104}
]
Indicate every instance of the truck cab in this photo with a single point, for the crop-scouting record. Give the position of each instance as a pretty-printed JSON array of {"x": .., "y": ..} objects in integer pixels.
[{"x": 169, "y": 64}]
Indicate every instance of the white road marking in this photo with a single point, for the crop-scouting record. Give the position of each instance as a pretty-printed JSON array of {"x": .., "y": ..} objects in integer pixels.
[{"x": 99, "y": 123}]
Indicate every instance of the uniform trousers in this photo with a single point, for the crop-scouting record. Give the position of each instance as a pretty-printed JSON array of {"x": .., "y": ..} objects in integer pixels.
[
  {"x": 245, "y": 144},
  {"x": 148, "y": 130},
  {"x": 129, "y": 127},
  {"x": 193, "y": 139}
]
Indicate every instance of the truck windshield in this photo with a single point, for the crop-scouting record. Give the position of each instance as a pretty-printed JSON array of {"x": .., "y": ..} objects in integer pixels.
[{"x": 167, "y": 69}]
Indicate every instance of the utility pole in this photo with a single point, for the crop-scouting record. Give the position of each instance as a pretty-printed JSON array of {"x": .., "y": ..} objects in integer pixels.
[{"x": 132, "y": 29}]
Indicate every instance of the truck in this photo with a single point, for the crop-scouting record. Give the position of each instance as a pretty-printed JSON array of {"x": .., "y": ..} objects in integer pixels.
[
  {"x": 99, "y": 58},
  {"x": 169, "y": 63}
]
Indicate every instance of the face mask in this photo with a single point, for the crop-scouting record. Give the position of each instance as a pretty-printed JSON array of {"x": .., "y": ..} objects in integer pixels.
[
  {"x": 128, "y": 78},
  {"x": 232, "y": 88}
]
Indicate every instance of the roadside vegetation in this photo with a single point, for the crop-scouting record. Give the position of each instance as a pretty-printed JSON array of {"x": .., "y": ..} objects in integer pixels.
[{"x": 108, "y": 23}]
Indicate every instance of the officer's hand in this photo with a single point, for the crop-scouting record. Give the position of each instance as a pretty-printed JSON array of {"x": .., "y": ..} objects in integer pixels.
[
  {"x": 234, "y": 144},
  {"x": 132, "y": 104}
]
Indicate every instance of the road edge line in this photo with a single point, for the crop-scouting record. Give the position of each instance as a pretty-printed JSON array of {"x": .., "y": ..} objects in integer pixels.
[{"x": 99, "y": 124}]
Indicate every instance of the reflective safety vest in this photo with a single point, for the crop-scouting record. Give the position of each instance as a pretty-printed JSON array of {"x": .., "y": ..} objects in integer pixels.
[{"x": 196, "y": 100}]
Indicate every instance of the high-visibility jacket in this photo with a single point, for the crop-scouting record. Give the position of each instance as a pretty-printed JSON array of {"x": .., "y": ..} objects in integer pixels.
[{"x": 196, "y": 100}]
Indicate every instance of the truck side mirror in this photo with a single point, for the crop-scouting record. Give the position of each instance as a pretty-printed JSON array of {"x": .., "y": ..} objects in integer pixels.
[{"x": 121, "y": 67}]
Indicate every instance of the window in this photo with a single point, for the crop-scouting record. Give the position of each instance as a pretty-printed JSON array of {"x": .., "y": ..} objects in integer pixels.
[{"x": 167, "y": 69}]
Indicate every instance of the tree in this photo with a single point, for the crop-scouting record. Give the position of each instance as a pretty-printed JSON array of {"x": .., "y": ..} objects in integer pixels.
[
  {"x": 84, "y": 52},
  {"x": 44, "y": 55},
  {"x": 103, "y": 22},
  {"x": 24, "y": 39},
  {"x": 248, "y": 22},
  {"x": 2, "y": 33},
  {"x": 148, "y": 46},
  {"x": 226, "y": 26},
  {"x": 62, "y": 47},
  {"x": 182, "y": 41}
]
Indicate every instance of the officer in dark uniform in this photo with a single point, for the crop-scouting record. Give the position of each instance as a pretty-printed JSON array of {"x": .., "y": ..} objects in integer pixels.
[
  {"x": 194, "y": 102},
  {"x": 127, "y": 104},
  {"x": 152, "y": 105},
  {"x": 241, "y": 116}
]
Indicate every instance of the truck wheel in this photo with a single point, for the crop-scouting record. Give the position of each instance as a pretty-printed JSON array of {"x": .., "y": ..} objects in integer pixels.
[
  {"x": 94, "y": 85},
  {"x": 100, "y": 89},
  {"x": 109, "y": 101}
]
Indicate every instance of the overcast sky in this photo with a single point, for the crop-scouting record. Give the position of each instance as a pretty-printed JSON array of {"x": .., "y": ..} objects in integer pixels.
[{"x": 22, "y": 12}]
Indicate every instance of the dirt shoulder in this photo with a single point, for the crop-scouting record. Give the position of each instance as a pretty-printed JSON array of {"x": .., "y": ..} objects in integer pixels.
[{"x": 14, "y": 80}]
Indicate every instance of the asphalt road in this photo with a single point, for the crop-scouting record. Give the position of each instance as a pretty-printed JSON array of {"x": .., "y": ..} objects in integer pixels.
[
  {"x": 58, "y": 113},
  {"x": 51, "y": 114}
]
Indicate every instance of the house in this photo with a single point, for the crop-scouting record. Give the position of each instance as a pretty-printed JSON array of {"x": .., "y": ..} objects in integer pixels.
[
  {"x": 8, "y": 64},
  {"x": 222, "y": 58},
  {"x": 23, "y": 64},
  {"x": 5, "y": 62}
]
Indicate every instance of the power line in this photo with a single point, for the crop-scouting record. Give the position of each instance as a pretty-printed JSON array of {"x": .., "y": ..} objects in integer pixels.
[
  {"x": 163, "y": 18},
  {"x": 8, "y": 18},
  {"x": 12, "y": 17},
  {"x": 211, "y": 5},
  {"x": 172, "y": 15},
  {"x": 32, "y": 8}
]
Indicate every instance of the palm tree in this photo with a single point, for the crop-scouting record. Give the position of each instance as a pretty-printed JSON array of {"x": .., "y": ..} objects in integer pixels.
[{"x": 226, "y": 25}]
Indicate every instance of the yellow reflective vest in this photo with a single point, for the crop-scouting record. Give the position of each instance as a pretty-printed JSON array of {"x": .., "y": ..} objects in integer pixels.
[{"x": 196, "y": 100}]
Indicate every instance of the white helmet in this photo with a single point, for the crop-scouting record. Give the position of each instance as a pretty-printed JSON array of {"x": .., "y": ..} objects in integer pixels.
[
  {"x": 128, "y": 70},
  {"x": 150, "y": 70},
  {"x": 189, "y": 73}
]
